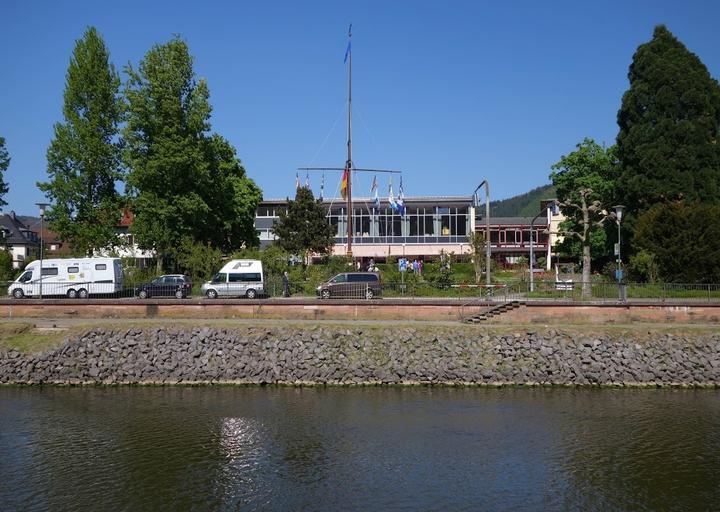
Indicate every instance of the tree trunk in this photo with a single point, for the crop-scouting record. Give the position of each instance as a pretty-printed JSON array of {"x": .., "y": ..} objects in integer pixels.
[
  {"x": 159, "y": 264},
  {"x": 586, "y": 285},
  {"x": 586, "y": 288}
]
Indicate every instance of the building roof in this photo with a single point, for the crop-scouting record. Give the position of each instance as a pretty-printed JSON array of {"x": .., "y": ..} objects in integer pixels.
[
  {"x": 15, "y": 231},
  {"x": 48, "y": 236},
  {"x": 384, "y": 200},
  {"x": 511, "y": 221}
]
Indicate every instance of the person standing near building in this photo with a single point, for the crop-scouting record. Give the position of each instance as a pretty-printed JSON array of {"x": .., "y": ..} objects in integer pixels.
[{"x": 286, "y": 284}]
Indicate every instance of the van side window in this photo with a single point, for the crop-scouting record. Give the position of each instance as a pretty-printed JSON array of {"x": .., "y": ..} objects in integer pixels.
[
  {"x": 25, "y": 277},
  {"x": 50, "y": 271},
  {"x": 73, "y": 270},
  {"x": 247, "y": 277},
  {"x": 100, "y": 266},
  {"x": 339, "y": 279},
  {"x": 220, "y": 277},
  {"x": 354, "y": 278}
]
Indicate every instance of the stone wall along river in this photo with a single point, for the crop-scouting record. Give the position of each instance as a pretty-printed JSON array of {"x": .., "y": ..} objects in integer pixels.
[{"x": 336, "y": 355}]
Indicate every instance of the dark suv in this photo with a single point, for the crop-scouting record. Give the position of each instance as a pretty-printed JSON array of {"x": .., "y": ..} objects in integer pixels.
[
  {"x": 173, "y": 285},
  {"x": 351, "y": 285}
]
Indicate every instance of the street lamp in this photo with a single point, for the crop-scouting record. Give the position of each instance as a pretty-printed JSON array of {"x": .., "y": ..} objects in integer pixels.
[
  {"x": 618, "y": 272},
  {"x": 43, "y": 207},
  {"x": 487, "y": 227},
  {"x": 532, "y": 237}
]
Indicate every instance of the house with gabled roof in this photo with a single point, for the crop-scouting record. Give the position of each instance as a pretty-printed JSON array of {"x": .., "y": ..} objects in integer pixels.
[{"x": 17, "y": 238}]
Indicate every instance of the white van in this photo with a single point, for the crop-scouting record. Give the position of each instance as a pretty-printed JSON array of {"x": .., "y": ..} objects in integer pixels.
[
  {"x": 69, "y": 277},
  {"x": 237, "y": 278}
]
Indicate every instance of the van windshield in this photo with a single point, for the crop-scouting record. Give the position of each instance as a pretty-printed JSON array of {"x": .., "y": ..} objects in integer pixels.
[
  {"x": 338, "y": 279},
  {"x": 220, "y": 277},
  {"x": 25, "y": 277}
]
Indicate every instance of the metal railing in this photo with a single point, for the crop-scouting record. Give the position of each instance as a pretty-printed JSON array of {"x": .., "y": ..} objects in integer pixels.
[{"x": 596, "y": 291}]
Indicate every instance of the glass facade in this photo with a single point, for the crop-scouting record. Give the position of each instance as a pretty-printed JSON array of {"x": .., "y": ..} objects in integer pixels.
[{"x": 420, "y": 224}]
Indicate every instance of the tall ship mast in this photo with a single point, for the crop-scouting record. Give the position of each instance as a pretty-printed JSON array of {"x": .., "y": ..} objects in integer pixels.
[{"x": 346, "y": 186}]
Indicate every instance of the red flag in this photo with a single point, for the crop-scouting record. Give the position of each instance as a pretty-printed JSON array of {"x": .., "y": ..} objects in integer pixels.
[{"x": 344, "y": 183}]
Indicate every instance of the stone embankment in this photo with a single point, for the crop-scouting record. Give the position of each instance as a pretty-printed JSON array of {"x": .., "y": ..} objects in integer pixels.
[{"x": 334, "y": 355}]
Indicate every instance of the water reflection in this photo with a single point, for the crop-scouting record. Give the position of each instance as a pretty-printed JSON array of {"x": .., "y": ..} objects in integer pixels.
[{"x": 358, "y": 449}]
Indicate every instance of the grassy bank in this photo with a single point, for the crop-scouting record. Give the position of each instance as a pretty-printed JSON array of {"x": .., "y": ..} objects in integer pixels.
[{"x": 27, "y": 338}]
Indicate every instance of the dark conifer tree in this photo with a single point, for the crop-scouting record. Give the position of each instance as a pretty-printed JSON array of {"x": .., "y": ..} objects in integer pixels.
[
  {"x": 668, "y": 141},
  {"x": 304, "y": 228}
]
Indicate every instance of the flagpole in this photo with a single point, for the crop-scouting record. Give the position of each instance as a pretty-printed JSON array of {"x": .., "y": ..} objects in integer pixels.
[{"x": 348, "y": 164}]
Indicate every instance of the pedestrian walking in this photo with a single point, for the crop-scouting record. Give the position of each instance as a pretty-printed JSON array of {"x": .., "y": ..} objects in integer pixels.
[{"x": 286, "y": 284}]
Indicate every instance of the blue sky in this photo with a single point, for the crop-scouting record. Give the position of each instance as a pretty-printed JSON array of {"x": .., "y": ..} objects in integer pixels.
[{"x": 450, "y": 92}]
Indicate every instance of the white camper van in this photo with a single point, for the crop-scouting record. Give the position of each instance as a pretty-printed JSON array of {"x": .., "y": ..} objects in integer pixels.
[
  {"x": 69, "y": 277},
  {"x": 237, "y": 278}
]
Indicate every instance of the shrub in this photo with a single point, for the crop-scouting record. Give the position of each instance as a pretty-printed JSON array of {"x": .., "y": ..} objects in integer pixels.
[
  {"x": 643, "y": 267},
  {"x": 7, "y": 273}
]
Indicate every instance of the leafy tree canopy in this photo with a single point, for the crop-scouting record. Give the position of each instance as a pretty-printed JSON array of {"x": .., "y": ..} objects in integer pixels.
[
  {"x": 584, "y": 181},
  {"x": 84, "y": 156},
  {"x": 668, "y": 139},
  {"x": 304, "y": 227},
  {"x": 184, "y": 182}
]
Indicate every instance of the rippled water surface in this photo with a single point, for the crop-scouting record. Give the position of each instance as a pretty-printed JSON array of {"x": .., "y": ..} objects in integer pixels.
[{"x": 358, "y": 449}]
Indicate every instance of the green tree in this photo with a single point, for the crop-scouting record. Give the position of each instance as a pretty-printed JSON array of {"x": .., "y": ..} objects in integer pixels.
[
  {"x": 4, "y": 164},
  {"x": 683, "y": 239},
  {"x": 196, "y": 259},
  {"x": 168, "y": 117},
  {"x": 183, "y": 182},
  {"x": 668, "y": 140},
  {"x": 234, "y": 197},
  {"x": 584, "y": 182},
  {"x": 84, "y": 156},
  {"x": 304, "y": 227}
]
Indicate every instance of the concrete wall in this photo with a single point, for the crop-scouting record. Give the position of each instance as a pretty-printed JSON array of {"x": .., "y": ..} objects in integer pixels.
[{"x": 386, "y": 309}]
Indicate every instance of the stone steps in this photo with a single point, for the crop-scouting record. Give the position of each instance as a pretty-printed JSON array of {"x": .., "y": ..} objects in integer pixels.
[{"x": 493, "y": 311}]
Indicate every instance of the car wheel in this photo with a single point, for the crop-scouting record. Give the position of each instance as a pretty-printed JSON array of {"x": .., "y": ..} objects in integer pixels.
[
  {"x": 325, "y": 294},
  {"x": 179, "y": 294},
  {"x": 143, "y": 294},
  {"x": 369, "y": 294},
  {"x": 211, "y": 294},
  {"x": 72, "y": 293},
  {"x": 18, "y": 293},
  {"x": 251, "y": 294},
  {"x": 83, "y": 293}
]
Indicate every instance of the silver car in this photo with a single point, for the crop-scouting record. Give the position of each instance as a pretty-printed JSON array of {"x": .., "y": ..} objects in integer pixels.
[{"x": 234, "y": 284}]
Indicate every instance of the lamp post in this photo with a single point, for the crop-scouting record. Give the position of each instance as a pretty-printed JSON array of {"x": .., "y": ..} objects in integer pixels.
[
  {"x": 618, "y": 272},
  {"x": 487, "y": 227},
  {"x": 42, "y": 207}
]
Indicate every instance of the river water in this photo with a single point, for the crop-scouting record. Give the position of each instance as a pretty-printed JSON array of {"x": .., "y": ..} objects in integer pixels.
[{"x": 253, "y": 448}]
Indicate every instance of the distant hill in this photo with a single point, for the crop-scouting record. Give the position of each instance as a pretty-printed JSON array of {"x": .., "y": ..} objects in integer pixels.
[{"x": 523, "y": 205}]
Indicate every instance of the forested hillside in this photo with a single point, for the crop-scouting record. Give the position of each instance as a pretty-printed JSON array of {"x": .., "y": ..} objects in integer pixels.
[{"x": 523, "y": 205}]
